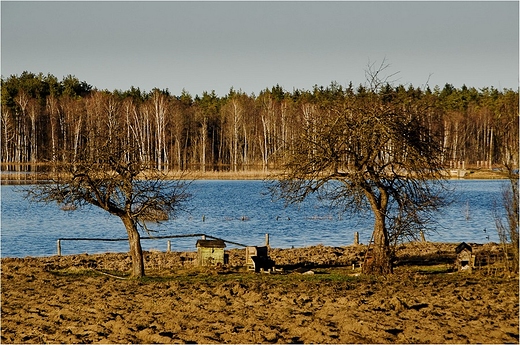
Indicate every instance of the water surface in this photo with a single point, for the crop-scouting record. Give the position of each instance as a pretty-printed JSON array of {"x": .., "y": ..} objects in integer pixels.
[{"x": 239, "y": 211}]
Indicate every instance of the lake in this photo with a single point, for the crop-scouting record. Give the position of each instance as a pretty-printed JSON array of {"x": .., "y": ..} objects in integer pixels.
[{"x": 238, "y": 211}]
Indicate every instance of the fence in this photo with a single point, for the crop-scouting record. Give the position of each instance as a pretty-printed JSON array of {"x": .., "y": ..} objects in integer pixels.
[{"x": 203, "y": 236}]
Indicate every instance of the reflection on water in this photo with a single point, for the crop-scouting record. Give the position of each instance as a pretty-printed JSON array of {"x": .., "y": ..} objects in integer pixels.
[{"x": 238, "y": 211}]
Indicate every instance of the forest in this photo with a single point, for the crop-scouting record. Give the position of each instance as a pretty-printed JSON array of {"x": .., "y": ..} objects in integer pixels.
[{"x": 43, "y": 117}]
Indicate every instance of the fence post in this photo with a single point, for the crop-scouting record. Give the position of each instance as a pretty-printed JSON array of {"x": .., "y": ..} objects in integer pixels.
[
  {"x": 356, "y": 238},
  {"x": 267, "y": 240},
  {"x": 58, "y": 245},
  {"x": 169, "y": 249}
]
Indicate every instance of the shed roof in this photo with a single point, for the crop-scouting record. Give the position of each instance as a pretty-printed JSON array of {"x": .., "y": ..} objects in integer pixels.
[
  {"x": 463, "y": 246},
  {"x": 211, "y": 244}
]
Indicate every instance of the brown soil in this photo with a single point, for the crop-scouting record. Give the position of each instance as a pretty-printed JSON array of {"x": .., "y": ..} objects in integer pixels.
[{"x": 73, "y": 299}]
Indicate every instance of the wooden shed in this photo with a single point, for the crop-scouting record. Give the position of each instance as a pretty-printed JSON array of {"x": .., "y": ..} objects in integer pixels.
[
  {"x": 211, "y": 252},
  {"x": 465, "y": 257}
]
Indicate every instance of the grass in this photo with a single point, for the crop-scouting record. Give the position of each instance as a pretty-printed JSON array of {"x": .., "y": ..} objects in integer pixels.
[
  {"x": 431, "y": 269},
  {"x": 197, "y": 276},
  {"x": 337, "y": 274},
  {"x": 74, "y": 272}
]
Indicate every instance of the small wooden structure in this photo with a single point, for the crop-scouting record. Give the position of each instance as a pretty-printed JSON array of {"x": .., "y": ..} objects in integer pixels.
[
  {"x": 257, "y": 258},
  {"x": 211, "y": 252},
  {"x": 465, "y": 257}
]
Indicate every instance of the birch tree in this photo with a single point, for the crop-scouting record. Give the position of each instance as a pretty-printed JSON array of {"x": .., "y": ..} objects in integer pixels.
[
  {"x": 206, "y": 112},
  {"x": 22, "y": 132},
  {"x": 234, "y": 113},
  {"x": 53, "y": 111},
  {"x": 160, "y": 112},
  {"x": 8, "y": 135}
]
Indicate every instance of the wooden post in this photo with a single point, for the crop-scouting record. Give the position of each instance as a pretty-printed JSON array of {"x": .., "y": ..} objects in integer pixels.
[
  {"x": 169, "y": 246},
  {"x": 58, "y": 245},
  {"x": 267, "y": 240},
  {"x": 356, "y": 238}
]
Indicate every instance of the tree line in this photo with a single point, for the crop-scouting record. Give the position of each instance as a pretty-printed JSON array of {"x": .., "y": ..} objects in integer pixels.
[{"x": 44, "y": 119}]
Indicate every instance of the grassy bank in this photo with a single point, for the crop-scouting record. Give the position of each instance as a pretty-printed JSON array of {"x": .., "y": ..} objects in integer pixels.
[{"x": 12, "y": 177}]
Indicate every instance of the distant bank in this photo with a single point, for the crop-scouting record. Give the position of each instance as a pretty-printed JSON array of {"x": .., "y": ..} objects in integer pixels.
[{"x": 28, "y": 177}]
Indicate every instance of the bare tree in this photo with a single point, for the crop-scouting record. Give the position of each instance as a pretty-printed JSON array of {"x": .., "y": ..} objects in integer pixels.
[
  {"x": 8, "y": 135},
  {"x": 53, "y": 109},
  {"x": 22, "y": 132},
  {"x": 160, "y": 112},
  {"x": 369, "y": 153},
  {"x": 115, "y": 179},
  {"x": 508, "y": 228},
  {"x": 234, "y": 113}
]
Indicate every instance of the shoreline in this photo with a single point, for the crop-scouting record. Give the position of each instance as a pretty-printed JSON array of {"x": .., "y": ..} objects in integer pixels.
[
  {"x": 193, "y": 252},
  {"x": 311, "y": 255},
  {"x": 20, "y": 178}
]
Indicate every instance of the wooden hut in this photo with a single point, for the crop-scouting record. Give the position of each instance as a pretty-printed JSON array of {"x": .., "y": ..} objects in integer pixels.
[
  {"x": 465, "y": 257},
  {"x": 211, "y": 252}
]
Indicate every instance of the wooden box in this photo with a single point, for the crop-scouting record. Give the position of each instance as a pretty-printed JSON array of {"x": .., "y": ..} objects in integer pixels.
[{"x": 210, "y": 252}]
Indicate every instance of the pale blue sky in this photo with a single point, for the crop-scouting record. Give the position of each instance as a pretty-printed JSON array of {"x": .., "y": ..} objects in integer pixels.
[{"x": 204, "y": 46}]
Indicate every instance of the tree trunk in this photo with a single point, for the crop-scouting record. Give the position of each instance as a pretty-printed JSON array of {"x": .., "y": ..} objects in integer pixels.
[
  {"x": 263, "y": 146},
  {"x": 8, "y": 134},
  {"x": 235, "y": 137},
  {"x": 490, "y": 147},
  {"x": 204, "y": 134},
  {"x": 379, "y": 258},
  {"x": 136, "y": 251}
]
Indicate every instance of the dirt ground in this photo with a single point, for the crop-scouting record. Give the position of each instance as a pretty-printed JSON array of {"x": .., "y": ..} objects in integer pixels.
[{"x": 317, "y": 298}]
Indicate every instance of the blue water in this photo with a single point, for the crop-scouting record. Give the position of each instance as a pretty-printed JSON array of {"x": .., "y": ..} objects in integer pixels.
[{"x": 239, "y": 211}]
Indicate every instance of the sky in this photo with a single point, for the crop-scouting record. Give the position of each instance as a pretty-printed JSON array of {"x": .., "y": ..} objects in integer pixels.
[{"x": 250, "y": 46}]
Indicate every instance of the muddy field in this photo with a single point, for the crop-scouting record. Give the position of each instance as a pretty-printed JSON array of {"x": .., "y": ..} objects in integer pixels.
[{"x": 315, "y": 297}]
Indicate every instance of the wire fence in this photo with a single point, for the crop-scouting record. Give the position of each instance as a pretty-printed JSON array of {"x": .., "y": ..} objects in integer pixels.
[{"x": 203, "y": 236}]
